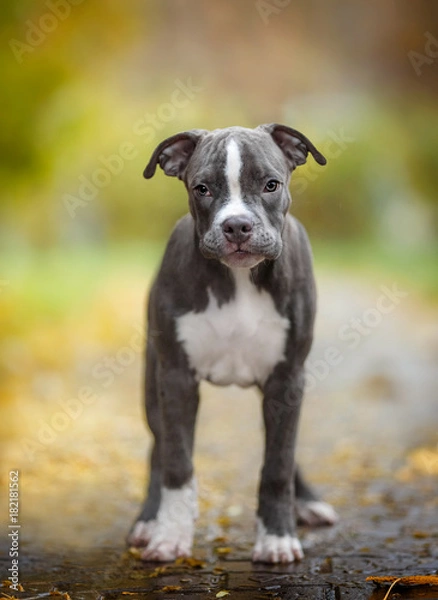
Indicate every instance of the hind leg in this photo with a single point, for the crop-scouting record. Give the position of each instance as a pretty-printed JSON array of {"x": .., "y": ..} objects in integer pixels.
[{"x": 309, "y": 509}]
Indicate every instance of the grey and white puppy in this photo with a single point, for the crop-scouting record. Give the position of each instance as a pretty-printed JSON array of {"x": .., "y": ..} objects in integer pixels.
[{"x": 233, "y": 303}]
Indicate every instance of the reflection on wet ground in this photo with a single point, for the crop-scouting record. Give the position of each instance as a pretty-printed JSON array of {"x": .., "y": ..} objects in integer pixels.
[
  {"x": 367, "y": 442},
  {"x": 392, "y": 540}
]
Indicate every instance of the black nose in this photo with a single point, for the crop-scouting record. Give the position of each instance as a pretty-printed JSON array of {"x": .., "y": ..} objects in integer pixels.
[{"x": 237, "y": 229}]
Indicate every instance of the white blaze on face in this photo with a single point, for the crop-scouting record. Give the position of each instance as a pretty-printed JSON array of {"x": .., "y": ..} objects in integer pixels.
[{"x": 233, "y": 166}]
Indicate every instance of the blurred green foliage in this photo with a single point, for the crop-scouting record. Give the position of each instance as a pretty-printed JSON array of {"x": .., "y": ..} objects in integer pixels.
[{"x": 104, "y": 78}]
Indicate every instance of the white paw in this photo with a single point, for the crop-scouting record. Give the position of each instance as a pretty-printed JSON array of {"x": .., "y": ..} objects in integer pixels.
[
  {"x": 271, "y": 548},
  {"x": 167, "y": 546},
  {"x": 141, "y": 533},
  {"x": 315, "y": 513},
  {"x": 171, "y": 535}
]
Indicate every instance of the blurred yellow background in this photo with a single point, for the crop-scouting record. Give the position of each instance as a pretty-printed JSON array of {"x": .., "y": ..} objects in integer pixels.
[{"x": 90, "y": 87}]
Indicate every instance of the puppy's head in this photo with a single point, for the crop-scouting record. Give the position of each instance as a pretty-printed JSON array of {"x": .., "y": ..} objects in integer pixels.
[{"x": 237, "y": 180}]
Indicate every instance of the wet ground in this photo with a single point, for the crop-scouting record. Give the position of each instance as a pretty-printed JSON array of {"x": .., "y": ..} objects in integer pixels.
[{"x": 368, "y": 442}]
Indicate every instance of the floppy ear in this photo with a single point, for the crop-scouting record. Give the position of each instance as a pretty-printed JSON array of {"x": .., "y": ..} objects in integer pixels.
[
  {"x": 174, "y": 154},
  {"x": 295, "y": 145}
]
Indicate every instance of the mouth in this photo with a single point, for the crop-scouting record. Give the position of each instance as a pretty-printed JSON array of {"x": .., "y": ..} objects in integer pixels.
[
  {"x": 239, "y": 257},
  {"x": 243, "y": 255},
  {"x": 237, "y": 250}
]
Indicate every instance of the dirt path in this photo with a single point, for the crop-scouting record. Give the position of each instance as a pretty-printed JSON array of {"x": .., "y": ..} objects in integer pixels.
[{"x": 368, "y": 442}]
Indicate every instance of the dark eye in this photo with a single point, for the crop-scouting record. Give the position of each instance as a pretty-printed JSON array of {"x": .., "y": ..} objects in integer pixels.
[
  {"x": 272, "y": 185},
  {"x": 202, "y": 190}
]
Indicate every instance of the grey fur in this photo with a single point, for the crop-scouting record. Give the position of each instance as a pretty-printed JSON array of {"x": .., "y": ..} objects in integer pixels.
[{"x": 196, "y": 261}]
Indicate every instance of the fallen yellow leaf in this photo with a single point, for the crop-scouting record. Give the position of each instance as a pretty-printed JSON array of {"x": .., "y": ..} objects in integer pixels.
[
  {"x": 220, "y": 539},
  {"x": 224, "y": 521},
  {"x": 222, "y": 594},
  {"x": 157, "y": 572},
  {"x": 420, "y": 535},
  {"x": 421, "y": 461},
  {"x": 223, "y": 550},
  {"x": 56, "y": 592},
  {"x": 194, "y": 563},
  {"x": 409, "y": 580},
  {"x": 135, "y": 552}
]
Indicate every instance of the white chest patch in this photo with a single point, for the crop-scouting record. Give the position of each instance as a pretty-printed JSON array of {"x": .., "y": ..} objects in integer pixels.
[{"x": 238, "y": 343}]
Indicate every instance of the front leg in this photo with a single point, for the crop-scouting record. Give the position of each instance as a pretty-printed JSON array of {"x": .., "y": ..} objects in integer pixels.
[
  {"x": 170, "y": 534},
  {"x": 276, "y": 537}
]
